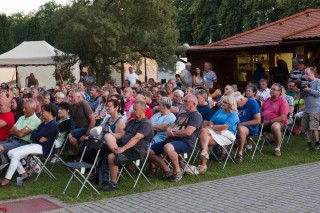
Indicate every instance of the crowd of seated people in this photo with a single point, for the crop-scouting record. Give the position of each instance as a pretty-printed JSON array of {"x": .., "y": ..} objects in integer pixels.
[{"x": 139, "y": 113}]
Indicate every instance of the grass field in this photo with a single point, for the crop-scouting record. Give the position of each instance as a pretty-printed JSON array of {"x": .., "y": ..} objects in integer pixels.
[{"x": 294, "y": 156}]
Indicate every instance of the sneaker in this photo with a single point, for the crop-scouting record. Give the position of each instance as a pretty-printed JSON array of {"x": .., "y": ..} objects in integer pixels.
[
  {"x": 109, "y": 187},
  {"x": 168, "y": 175},
  {"x": 191, "y": 170},
  {"x": 308, "y": 148},
  {"x": 202, "y": 169},
  {"x": 277, "y": 153},
  {"x": 54, "y": 159},
  {"x": 317, "y": 147},
  {"x": 204, "y": 155},
  {"x": 238, "y": 159},
  {"x": 176, "y": 177}
]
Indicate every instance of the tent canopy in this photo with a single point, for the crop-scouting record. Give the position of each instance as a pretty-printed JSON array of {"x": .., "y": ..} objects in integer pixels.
[{"x": 30, "y": 53}]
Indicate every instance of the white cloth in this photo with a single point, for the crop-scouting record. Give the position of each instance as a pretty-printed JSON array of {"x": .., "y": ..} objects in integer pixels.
[
  {"x": 225, "y": 138},
  {"x": 17, "y": 154},
  {"x": 263, "y": 95},
  {"x": 132, "y": 77}
]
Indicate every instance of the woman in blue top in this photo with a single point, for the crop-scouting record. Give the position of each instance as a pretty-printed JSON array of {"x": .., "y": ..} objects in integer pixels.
[
  {"x": 42, "y": 142},
  {"x": 221, "y": 130}
]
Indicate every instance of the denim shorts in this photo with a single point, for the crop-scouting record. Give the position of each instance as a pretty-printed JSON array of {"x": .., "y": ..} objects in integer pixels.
[
  {"x": 78, "y": 132},
  {"x": 13, "y": 143},
  {"x": 179, "y": 147}
]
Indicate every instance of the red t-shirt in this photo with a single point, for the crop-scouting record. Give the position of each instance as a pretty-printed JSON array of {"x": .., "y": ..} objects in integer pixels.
[
  {"x": 7, "y": 117},
  {"x": 271, "y": 109},
  {"x": 148, "y": 114}
]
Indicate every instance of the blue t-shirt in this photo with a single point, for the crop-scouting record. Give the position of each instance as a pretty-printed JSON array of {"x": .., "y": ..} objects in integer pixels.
[
  {"x": 206, "y": 112},
  {"x": 158, "y": 119},
  {"x": 230, "y": 118},
  {"x": 247, "y": 112}
]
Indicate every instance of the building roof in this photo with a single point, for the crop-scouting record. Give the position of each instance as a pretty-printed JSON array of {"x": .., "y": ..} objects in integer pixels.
[{"x": 304, "y": 25}]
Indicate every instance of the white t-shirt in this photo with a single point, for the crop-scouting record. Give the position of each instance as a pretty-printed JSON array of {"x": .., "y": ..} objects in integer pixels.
[
  {"x": 132, "y": 77},
  {"x": 187, "y": 77}
]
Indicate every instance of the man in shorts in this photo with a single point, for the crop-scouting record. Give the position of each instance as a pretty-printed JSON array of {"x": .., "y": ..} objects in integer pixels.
[
  {"x": 249, "y": 116},
  {"x": 182, "y": 137},
  {"x": 275, "y": 111},
  {"x": 311, "y": 114},
  {"x": 129, "y": 145}
]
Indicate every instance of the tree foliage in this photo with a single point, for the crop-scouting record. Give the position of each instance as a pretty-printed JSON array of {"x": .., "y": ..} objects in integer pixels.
[
  {"x": 34, "y": 32},
  {"x": 104, "y": 33},
  {"x": 6, "y": 41}
]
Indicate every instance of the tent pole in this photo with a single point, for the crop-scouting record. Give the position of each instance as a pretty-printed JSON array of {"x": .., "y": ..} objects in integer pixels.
[
  {"x": 58, "y": 68},
  {"x": 13, "y": 77}
]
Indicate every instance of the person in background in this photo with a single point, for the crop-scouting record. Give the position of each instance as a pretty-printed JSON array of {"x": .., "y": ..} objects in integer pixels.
[
  {"x": 251, "y": 92},
  {"x": 264, "y": 91},
  {"x": 280, "y": 73},
  {"x": 259, "y": 73},
  {"x": 188, "y": 91},
  {"x": 132, "y": 77},
  {"x": 197, "y": 80},
  {"x": 83, "y": 74},
  {"x": 31, "y": 81},
  {"x": 292, "y": 89},
  {"x": 203, "y": 106},
  {"x": 94, "y": 97},
  {"x": 178, "y": 80},
  {"x": 235, "y": 87},
  {"x": 186, "y": 77},
  {"x": 169, "y": 90},
  {"x": 90, "y": 79},
  {"x": 209, "y": 76}
]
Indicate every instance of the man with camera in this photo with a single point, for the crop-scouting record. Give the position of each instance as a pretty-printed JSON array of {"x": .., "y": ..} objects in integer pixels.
[{"x": 311, "y": 114}]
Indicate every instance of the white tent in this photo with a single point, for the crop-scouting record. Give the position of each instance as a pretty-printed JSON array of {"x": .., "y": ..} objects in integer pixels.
[{"x": 34, "y": 57}]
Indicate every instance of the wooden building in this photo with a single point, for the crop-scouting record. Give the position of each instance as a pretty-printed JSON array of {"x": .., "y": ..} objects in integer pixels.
[{"x": 234, "y": 58}]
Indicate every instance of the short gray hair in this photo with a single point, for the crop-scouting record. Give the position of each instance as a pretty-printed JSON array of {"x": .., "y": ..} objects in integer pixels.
[
  {"x": 31, "y": 103},
  {"x": 237, "y": 96},
  {"x": 165, "y": 101},
  {"x": 59, "y": 95},
  {"x": 202, "y": 92},
  {"x": 180, "y": 92}
]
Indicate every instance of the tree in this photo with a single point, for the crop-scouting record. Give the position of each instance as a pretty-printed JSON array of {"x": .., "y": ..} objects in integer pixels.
[
  {"x": 6, "y": 41},
  {"x": 205, "y": 24},
  {"x": 231, "y": 14},
  {"x": 104, "y": 33},
  {"x": 260, "y": 12},
  {"x": 184, "y": 20},
  {"x": 45, "y": 16},
  {"x": 34, "y": 32},
  {"x": 19, "y": 26}
]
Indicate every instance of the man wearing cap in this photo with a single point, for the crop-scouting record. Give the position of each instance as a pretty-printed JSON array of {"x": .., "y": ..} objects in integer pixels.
[
  {"x": 209, "y": 76},
  {"x": 186, "y": 77},
  {"x": 297, "y": 75}
]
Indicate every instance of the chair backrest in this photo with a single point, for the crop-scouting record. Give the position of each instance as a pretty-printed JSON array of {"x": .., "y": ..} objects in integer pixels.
[{"x": 93, "y": 143}]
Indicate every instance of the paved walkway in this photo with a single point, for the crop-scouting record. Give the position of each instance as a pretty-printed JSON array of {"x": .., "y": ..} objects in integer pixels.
[{"x": 291, "y": 189}]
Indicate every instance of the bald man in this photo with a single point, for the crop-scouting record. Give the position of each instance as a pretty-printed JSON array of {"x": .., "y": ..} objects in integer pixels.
[
  {"x": 182, "y": 137},
  {"x": 6, "y": 119}
]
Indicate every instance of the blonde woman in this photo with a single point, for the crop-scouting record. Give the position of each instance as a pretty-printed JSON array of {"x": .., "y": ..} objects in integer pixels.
[{"x": 221, "y": 130}]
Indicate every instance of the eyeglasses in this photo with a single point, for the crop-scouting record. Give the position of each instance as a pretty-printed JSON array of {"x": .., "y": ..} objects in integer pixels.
[
  {"x": 274, "y": 89},
  {"x": 186, "y": 101},
  {"x": 224, "y": 102}
]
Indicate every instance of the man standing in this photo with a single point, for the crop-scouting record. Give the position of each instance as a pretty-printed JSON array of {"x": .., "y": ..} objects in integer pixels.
[
  {"x": 84, "y": 121},
  {"x": 297, "y": 75},
  {"x": 249, "y": 116},
  {"x": 311, "y": 114},
  {"x": 132, "y": 143},
  {"x": 209, "y": 76},
  {"x": 275, "y": 111},
  {"x": 186, "y": 77},
  {"x": 132, "y": 77},
  {"x": 264, "y": 91}
]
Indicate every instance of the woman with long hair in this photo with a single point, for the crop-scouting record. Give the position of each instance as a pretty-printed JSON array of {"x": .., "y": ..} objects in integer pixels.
[
  {"x": 101, "y": 111},
  {"x": 197, "y": 80},
  {"x": 17, "y": 108}
]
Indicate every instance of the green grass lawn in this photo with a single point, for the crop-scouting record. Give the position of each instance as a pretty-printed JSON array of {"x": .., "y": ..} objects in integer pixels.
[{"x": 294, "y": 156}]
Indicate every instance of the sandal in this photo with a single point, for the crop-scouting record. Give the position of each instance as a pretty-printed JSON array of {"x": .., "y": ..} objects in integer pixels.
[{"x": 152, "y": 172}]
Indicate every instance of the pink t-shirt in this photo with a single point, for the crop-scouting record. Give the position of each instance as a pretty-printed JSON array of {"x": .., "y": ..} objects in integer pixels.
[
  {"x": 128, "y": 104},
  {"x": 271, "y": 109},
  {"x": 7, "y": 117}
]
